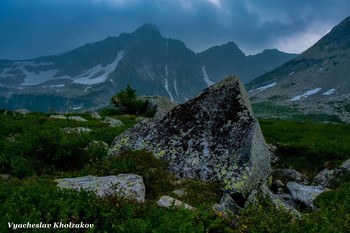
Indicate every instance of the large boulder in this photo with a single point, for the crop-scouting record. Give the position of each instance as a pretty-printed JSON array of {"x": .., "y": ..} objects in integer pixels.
[
  {"x": 128, "y": 186},
  {"x": 214, "y": 137}
]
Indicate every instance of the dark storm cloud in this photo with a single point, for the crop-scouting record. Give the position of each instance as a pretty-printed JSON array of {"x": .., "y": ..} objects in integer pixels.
[{"x": 31, "y": 28}]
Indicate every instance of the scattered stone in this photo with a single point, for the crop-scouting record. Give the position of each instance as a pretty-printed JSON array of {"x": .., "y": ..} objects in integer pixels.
[
  {"x": 22, "y": 111},
  {"x": 161, "y": 105},
  {"x": 61, "y": 117},
  {"x": 113, "y": 122},
  {"x": 131, "y": 187},
  {"x": 305, "y": 194},
  {"x": 138, "y": 119},
  {"x": 227, "y": 206},
  {"x": 279, "y": 184},
  {"x": 280, "y": 191},
  {"x": 5, "y": 176},
  {"x": 167, "y": 201},
  {"x": 279, "y": 203},
  {"x": 273, "y": 156},
  {"x": 76, "y": 130},
  {"x": 77, "y": 118},
  {"x": 97, "y": 144},
  {"x": 327, "y": 178},
  {"x": 95, "y": 115},
  {"x": 214, "y": 137},
  {"x": 179, "y": 192},
  {"x": 264, "y": 191},
  {"x": 287, "y": 175},
  {"x": 128, "y": 186}
]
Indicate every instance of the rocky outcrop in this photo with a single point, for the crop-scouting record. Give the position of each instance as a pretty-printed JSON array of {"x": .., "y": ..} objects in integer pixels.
[
  {"x": 60, "y": 117},
  {"x": 227, "y": 206},
  {"x": 95, "y": 115},
  {"x": 305, "y": 194},
  {"x": 128, "y": 186},
  {"x": 167, "y": 201},
  {"x": 328, "y": 178},
  {"x": 286, "y": 175},
  {"x": 160, "y": 105},
  {"x": 76, "y": 130},
  {"x": 113, "y": 122},
  {"x": 264, "y": 191},
  {"x": 214, "y": 137},
  {"x": 77, "y": 118}
]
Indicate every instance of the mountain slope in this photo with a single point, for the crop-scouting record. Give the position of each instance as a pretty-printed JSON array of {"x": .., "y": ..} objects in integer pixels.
[
  {"x": 87, "y": 77},
  {"x": 315, "y": 82},
  {"x": 221, "y": 60}
]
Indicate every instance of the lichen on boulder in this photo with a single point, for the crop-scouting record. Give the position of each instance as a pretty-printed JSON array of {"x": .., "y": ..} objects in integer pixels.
[{"x": 213, "y": 137}]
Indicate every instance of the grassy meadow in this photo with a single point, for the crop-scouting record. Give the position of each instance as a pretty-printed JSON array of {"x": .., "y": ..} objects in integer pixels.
[{"x": 35, "y": 150}]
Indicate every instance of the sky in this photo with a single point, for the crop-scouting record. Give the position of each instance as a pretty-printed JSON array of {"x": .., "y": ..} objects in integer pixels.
[{"x": 33, "y": 28}]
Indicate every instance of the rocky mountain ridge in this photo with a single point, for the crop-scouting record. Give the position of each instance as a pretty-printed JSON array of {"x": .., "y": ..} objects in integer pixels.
[
  {"x": 314, "y": 83},
  {"x": 87, "y": 77}
]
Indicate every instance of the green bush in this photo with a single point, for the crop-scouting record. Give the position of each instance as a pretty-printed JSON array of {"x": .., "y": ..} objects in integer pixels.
[{"x": 127, "y": 102}]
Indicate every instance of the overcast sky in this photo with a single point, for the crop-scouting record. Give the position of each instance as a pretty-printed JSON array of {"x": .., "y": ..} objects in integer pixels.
[{"x": 32, "y": 28}]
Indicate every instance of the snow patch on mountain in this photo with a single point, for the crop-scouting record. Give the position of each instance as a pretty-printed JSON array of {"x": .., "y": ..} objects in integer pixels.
[
  {"x": 206, "y": 77},
  {"x": 167, "y": 89},
  {"x": 175, "y": 87},
  {"x": 149, "y": 74},
  {"x": 35, "y": 78},
  {"x": 58, "y": 85},
  {"x": 98, "y": 74},
  {"x": 329, "y": 92},
  {"x": 27, "y": 68},
  {"x": 166, "y": 71},
  {"x": 263, "y": 87},
  {"x": 306, "y": 94},
  {"x": 94, "y": 75}
]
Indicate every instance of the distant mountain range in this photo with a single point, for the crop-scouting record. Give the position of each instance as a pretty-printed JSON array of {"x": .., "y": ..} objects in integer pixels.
[
  {"x": 314, "y": 84},
  {"x": 87, "y": 77}
]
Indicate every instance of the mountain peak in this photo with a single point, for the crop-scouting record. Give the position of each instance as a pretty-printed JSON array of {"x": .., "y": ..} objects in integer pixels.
[{"x": 147, "y": 29}]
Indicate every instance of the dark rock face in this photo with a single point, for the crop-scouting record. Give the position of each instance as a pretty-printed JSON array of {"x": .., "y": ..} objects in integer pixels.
[{"x": 214, "y": 137}]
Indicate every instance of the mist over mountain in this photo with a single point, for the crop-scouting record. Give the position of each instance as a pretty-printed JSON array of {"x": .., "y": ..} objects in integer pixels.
[
  {"x": 87, "y": 77},
  {"x": 316, "y": 82}
]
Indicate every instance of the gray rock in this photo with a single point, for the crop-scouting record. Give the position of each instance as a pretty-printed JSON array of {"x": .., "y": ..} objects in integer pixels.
[
  {"x": 5, "y": 176},
  {"x": 113, "y": 122},
  {"x": 95, "y": 115},
  {"x": 128, "y": 186},
  {"x": 179, "y": 192},
  {"x": 131, "y": 187},
  {"x": 97, "y": 144},
  {"x": 227, "y": 206},
  {"x": 161, "y": 105},
  {"x": 279, "y": 184},
  {"x": 22, "y": 111},
  {"x": 61, "y": 117},
  {"x": 327, "y": 178},
  {"x": 76, "y": 130},
  {"x": 287, "y": 175},
  {"x": 167, "y": 201},
  {"x": 273, "y": 156},
  {"x": 278, "y": 202},
  {"x": 214, "y": 137},
  {"x": 77, "y": 118},
  {"x": 305, "y": 194},
  {"x": 138, "y": 119}
]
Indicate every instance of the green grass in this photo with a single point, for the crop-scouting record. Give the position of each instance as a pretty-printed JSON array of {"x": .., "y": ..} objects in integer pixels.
[
  {"x": 306, "y": 146},
  {"x": 34, "y": 150}
]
